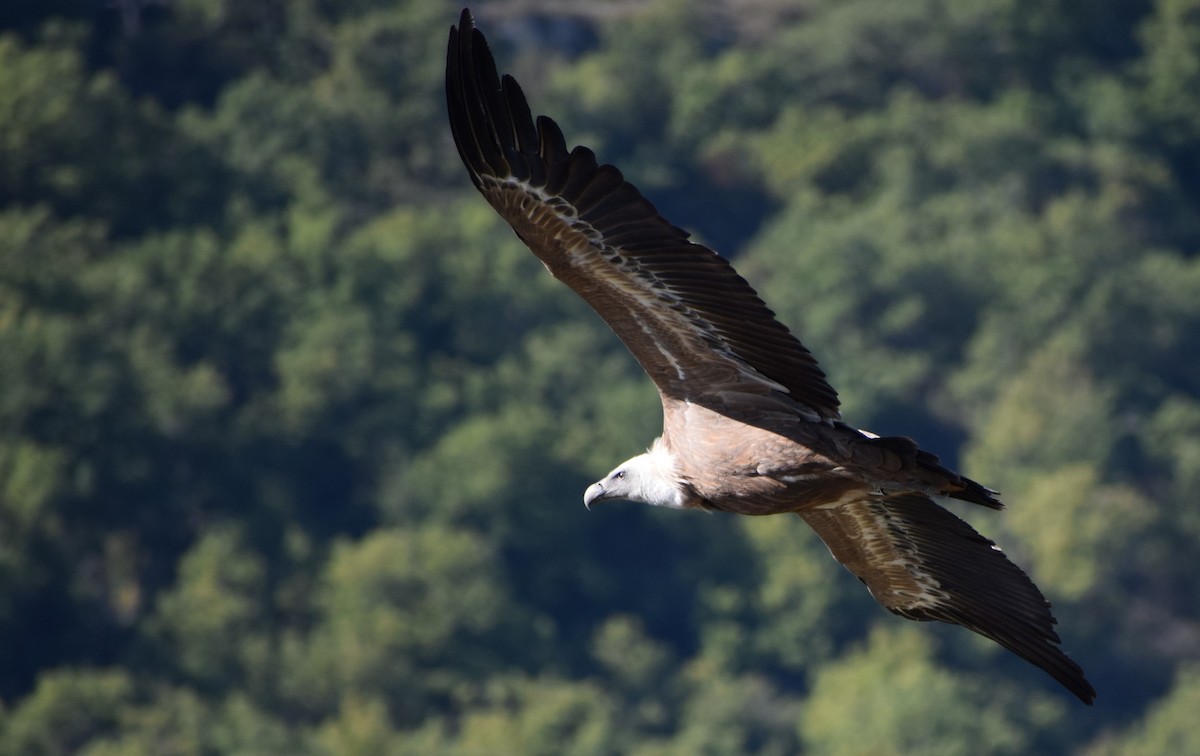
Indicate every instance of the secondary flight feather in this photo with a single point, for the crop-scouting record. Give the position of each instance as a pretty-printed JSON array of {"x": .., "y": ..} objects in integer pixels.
[{"x": 750, "y": 423}]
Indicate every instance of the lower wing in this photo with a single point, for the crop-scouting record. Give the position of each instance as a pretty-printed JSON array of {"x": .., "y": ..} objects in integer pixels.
[{"x": 922, "y": 562}]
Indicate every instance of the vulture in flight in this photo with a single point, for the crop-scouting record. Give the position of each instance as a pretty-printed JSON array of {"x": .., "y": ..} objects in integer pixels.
[{"x": 750, "y": 424}]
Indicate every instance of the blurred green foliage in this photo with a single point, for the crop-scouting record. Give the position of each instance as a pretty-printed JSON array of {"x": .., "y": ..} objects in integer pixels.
[{"x": 293, "y": 431}]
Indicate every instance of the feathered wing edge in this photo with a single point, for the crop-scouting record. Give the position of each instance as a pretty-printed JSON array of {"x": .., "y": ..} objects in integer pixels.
[
  {"x": 638, "y": 271},
  {"x": 922, "y": 562}
]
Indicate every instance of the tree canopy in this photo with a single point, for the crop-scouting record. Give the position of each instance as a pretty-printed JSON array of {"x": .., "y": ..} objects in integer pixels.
[{"x": 293, "y": 430}]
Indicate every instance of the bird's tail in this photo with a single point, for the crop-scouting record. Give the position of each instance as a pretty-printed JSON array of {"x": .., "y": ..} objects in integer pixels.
[{"x": 930, "y": 471}]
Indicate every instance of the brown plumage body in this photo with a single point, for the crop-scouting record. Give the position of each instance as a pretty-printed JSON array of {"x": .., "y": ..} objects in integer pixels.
[{"x": 750, "y": 424}]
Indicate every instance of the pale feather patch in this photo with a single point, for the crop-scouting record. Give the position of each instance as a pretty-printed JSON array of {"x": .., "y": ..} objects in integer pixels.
[
  {"x": 627, "y": 275},
  {"x": 652, "y": 337},
  {"x": 859, "y": 533}
]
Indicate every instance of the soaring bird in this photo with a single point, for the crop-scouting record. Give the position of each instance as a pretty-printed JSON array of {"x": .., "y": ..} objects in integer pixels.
[{"x": 750, "y": 423}]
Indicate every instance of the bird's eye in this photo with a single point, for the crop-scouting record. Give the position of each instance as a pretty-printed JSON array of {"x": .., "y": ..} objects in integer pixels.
[{"x": 619, "y": 475}]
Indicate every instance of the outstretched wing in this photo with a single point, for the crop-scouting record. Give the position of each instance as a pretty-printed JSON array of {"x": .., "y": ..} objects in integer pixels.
[
  {"x": 693, "y": 323},
  {"x": 922, "y": 562}
]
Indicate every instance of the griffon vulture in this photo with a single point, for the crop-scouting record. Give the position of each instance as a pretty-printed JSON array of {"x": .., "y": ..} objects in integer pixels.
[{"x": 750, "y": 424}]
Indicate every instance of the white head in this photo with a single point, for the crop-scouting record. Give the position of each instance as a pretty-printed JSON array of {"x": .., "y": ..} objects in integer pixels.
[{"x": 647, "y": 478}]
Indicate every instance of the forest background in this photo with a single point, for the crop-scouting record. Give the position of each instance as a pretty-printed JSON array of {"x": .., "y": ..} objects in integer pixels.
[{"x": 294, "y": 431}]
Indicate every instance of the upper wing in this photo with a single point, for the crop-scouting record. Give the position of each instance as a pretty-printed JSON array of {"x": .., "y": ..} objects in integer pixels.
[
  {"x": 922, "y": 562},
  {"x": 692, "y": 322}
]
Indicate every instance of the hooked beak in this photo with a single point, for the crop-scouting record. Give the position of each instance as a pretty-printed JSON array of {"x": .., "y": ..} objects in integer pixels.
[{"x": 594, "y": 493}]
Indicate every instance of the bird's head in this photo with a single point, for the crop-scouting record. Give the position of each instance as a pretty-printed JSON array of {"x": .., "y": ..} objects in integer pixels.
[{"x": 647, "y": 478}]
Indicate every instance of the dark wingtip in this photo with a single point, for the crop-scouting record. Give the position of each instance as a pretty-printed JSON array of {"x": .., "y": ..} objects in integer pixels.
[
  {"x": 1086, "y": 693},
  {"x": 470, "y": 71}
]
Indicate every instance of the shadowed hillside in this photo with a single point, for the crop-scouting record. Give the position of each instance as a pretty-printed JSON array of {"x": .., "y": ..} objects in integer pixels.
[{"x": 294, "y": 431}]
